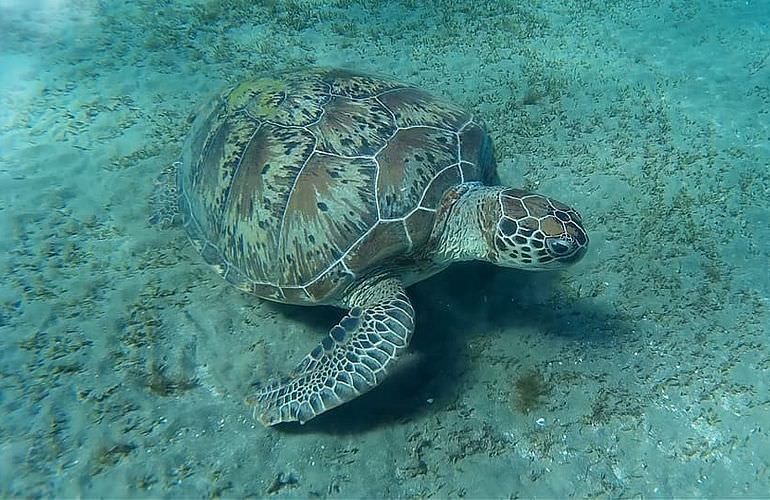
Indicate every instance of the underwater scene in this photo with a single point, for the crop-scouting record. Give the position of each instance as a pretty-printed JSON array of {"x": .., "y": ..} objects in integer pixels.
[{"x": 535, "y": 237}]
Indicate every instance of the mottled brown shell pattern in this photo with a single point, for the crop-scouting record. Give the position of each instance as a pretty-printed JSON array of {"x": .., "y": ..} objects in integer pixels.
[{"x": 293, "y": 186}]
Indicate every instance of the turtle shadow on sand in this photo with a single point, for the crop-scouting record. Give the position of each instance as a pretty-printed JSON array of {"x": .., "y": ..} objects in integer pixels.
[{"x": 472, "y": 297}]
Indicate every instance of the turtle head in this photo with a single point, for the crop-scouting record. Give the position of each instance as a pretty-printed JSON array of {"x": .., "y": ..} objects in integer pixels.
[
  {"x": 507, "y": 227},
  {"x": 533, "y": 231}
]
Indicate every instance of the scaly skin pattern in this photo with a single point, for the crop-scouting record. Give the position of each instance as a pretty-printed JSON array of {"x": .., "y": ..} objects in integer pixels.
[{"x": 355, "y": 356}]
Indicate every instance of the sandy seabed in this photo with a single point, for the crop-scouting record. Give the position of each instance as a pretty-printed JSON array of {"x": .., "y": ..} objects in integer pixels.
[{"x": 643, "y": 371}]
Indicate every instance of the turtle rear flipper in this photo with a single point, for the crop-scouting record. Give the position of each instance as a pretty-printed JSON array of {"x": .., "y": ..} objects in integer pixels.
[
  {"x": 354, "y": 358},
  {"x": 164, "y": 204}
]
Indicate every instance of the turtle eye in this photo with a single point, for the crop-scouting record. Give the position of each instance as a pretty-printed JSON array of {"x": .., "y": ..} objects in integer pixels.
[{"x": 560, "y": 247}]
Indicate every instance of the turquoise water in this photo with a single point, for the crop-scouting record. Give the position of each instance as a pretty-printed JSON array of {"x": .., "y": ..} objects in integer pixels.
[{"x": 641, "y": 371}]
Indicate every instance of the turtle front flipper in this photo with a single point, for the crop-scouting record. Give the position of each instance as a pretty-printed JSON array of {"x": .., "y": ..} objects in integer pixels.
[{"x": 356, "y": 356}]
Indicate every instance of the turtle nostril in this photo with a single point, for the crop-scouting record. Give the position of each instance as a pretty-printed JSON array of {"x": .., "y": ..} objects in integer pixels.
[{"x": 560, "y": 247}]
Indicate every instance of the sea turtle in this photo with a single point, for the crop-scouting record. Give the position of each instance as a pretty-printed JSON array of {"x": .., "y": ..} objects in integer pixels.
[{"x": 329, "y": 186}]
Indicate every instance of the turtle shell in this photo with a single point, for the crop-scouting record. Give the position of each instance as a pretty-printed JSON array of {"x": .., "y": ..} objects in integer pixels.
[{"x": 293, "y": 186}]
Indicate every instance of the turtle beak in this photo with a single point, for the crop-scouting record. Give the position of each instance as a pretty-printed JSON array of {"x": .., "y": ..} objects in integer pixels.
[{"x": 574, "y": 256}]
